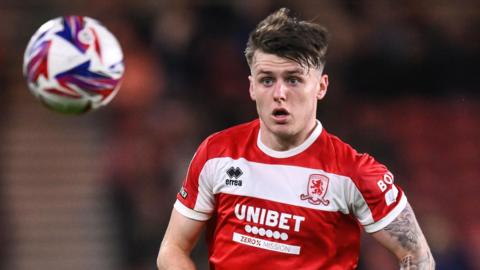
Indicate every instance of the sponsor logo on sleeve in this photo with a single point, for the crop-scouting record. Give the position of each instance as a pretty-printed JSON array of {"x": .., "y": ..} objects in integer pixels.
[
  {"x": 386, "y": 182},
  {"x": 183, "y": 193},
  {"x": 386, "y": 185},
  {"x": 391, "y": 196}
]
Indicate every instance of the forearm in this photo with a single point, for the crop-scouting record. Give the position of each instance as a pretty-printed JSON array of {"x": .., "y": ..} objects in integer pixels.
[
  {"x": 417, "y": 256},
  {"x": 423, "y": 260},
  {"x": 414, "y": 251},
  {"x": 172, "y": 258},
  {"x": 405, "y": 239}
]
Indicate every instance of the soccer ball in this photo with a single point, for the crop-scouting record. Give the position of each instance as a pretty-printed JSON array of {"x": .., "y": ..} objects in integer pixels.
[{"x": 73, "y": 64}]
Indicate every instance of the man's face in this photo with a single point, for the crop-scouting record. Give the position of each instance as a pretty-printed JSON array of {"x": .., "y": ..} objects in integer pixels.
[{"x": 286, "y": 95}]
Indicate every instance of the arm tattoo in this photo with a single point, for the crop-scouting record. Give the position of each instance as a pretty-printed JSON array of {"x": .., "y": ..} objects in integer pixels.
[
  {"x": 408, "y": 234},
  {"x": 425, "y": 262},
  {"x": 404, "y": 229}
]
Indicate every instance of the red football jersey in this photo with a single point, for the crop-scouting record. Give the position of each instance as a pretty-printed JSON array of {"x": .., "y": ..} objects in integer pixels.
[{"x": 295, "y": 209}]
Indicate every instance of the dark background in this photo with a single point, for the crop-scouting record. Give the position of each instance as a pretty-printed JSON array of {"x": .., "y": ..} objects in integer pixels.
[{"x": 96, "y": 191}]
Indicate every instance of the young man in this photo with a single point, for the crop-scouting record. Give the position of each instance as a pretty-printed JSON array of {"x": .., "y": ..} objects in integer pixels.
[{"x": 281, "y": 192}]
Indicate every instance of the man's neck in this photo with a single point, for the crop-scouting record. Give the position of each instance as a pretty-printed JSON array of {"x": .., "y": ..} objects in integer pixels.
[{"x": 285, "y": 143}]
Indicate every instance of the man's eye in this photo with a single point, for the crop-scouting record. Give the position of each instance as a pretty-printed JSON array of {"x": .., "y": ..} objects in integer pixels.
[
  {"x": 266, "y": 81},
  {"x": 293, "y": 80}
]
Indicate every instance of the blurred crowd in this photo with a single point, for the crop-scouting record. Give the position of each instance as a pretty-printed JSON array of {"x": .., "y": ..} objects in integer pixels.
[{"x": 186, "y": 77}]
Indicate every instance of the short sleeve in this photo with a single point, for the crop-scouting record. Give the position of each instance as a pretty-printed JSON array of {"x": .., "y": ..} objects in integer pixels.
[
  {"x": 195, "y": 199},
  {"x": 377, "y": 200}
]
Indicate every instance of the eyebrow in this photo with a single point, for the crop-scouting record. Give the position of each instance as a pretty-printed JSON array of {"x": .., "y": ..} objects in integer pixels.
[{"x": 288, "y": 72}]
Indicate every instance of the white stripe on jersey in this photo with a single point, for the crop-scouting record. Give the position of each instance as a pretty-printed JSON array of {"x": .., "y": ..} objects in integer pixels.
[
  {"x": 182, "y": 209},
  {"x": 283, "y": 184}
]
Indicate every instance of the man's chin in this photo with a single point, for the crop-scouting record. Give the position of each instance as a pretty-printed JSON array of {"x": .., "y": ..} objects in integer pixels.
[{"x": 283, "y": 131}]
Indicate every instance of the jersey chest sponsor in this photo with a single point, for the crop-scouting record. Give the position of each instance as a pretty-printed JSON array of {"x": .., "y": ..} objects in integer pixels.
[
  {"x": 266, "y": 199},
  {"x": 266, "y": 228},
  {"x": 268, "y": 217}
]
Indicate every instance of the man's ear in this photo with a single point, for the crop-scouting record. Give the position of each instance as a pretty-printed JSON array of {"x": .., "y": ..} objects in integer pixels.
[
  {"x": 322, "y": 87},
  {"x": 250, "y": 89}
]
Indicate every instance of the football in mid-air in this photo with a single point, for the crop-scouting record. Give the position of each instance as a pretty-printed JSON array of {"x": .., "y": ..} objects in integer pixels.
[{"x": 73, "y": 64}]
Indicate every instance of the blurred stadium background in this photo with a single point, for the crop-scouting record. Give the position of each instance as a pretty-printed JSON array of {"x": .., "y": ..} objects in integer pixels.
[{"x": 95, "y": 192}]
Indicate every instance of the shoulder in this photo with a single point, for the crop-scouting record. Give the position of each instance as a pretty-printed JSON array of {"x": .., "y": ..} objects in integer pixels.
[
  {"x": 351, "y": 163},
  {"x": 230, "y": 141},
  {"x": 236, "y": 132}
]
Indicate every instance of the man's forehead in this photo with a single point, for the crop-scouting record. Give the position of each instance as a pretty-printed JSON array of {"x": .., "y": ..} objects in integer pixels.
[{"x": 271, "y": 63}]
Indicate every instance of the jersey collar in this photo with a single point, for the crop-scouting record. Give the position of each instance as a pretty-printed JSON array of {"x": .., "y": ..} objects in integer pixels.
[{"x": 294, "y": 151}]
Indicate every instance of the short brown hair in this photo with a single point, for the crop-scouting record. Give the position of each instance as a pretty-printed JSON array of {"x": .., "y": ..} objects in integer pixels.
[{"x": 285, "y": 36}]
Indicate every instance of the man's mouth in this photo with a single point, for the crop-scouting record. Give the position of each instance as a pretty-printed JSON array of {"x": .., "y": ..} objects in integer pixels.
[{"x": 280, "y": 115}]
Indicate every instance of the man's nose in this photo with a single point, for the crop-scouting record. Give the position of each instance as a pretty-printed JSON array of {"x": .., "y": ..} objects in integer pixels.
[{"x": 279, "y": 92}]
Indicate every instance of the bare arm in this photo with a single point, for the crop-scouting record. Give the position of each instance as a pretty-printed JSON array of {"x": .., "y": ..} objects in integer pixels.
[
  {"x": 404, "y": 238},
  {"x": 180, "y": 238}
]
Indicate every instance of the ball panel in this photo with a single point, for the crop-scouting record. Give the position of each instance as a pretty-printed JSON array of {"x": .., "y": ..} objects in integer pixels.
[{"x": 66, "y": 105}]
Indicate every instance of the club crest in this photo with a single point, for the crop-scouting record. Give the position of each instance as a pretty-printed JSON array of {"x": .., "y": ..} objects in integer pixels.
[{"x": 316, "y": 190}]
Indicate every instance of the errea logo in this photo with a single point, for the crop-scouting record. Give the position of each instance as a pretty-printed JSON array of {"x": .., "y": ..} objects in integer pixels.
[{"x": 234, "y": 174}]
